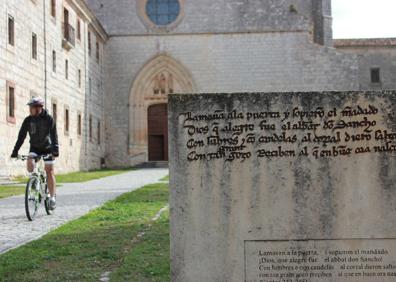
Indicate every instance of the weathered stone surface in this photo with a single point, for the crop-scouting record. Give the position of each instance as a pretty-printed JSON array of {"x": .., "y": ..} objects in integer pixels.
[
  {"x": 260, "y": 172},
  {"x": 207, "y": 16}
]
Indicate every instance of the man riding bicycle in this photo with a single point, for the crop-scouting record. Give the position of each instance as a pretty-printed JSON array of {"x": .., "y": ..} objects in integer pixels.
[{"x": 43, "y": 142}]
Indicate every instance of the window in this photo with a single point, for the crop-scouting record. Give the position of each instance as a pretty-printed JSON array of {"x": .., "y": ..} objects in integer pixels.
[
  {"x": 90, "y": 127},
  {"x": 162, "y": 12},
  {"x": 66, "y": 120},
  {"x": 90, "y": 86},
  {"x": 79, "y": 78},
  {"x": 53, "y": 8},
  {"x": 10, "y": 102},
  {"x": 375, "y": 75},
  {"x": 66, "y": 16},
  {"x": 34, "y": 46},
  {"x": 89, "y": 43},
  {"x": 67, "y": 69},
  {"x": 79, "y": 125},
  {"x": 78, "y": 29},
  {"x": 54, "y": 111},
  {"x": 98, "y": 132},
  {"x": 97, "y": 51},
  {"x": 11, "y": 31},
  {"x": 53, "y": 60},
  {"x": 69, "y": 34}
]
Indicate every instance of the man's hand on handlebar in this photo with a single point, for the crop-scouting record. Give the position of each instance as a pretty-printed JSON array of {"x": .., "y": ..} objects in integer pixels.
[{"x": 55, "y": 151}]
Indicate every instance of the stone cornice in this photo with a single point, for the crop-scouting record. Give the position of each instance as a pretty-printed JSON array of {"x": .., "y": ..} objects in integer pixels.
[{"x": 370, "y": 42}]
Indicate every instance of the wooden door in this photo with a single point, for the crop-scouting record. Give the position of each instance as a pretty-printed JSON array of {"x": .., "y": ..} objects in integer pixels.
[{"x": 158, "y": 132}]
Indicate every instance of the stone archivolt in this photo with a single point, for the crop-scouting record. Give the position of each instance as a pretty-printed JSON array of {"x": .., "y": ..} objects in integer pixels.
[{"x": 159, "y": 77}]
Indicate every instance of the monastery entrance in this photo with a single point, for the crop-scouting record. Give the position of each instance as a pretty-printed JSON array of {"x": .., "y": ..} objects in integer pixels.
[{"x": 148, "y": 113}]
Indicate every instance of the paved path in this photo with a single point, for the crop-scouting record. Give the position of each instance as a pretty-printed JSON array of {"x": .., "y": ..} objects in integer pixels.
[{"x": 73, "y": 201}]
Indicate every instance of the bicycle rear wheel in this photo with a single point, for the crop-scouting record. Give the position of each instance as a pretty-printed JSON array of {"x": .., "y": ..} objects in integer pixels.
[
  {"x": 47, "y": 201},
  {"x": 32, "y": 198}
]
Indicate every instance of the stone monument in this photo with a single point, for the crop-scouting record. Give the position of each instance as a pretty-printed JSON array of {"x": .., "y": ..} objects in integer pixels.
[{"x": 283, "y": 187}]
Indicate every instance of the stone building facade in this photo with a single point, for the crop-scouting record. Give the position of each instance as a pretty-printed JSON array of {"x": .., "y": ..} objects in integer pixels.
[
  {"x": 44, "y": 52},
  {"x": 152, "y": 48},
  {"x": 215, "y": 46},
  {"x": 376, "y": 61}
]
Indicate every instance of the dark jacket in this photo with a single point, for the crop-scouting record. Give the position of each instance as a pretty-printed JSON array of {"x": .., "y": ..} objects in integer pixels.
[{"x": 42, "y": 132}]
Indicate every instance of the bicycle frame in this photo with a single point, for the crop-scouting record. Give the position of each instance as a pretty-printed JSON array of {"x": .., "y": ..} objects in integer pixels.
[{"x": 38, "y": 170}]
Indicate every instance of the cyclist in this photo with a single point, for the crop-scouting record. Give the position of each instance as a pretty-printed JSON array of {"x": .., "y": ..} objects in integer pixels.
[{"x": 43, "y": 141}]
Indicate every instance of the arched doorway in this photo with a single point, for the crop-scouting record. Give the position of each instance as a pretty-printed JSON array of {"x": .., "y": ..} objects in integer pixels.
[
  {"x": 158, "y": 132},
  {"x": 159, "y": 77}
]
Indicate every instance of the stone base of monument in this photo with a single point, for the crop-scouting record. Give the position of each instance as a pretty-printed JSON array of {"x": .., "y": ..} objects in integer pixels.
[{"x": 283, "y": 187}]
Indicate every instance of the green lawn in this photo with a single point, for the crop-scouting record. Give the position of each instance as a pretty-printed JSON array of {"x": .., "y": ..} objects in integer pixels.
[
  {"x": 82, "y": 176},
  {"x": 166, "y": 178},
  {"x": 8, "y": 191},
  {"x": 103, "y": 240}
]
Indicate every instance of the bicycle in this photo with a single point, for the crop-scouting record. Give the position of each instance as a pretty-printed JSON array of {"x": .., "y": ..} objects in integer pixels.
[{"x": 36, "y": 189}]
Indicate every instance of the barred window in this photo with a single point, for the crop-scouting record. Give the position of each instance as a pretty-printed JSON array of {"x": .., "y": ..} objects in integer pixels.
[
  {"x": 99, "y": 133},
  {"x": 89, "y": 43},
  {"x": 66, "y": 120},
  {"x": 78, "y": 29},
  {"x": 34, "y": 46},
  {"x": 79, "y": 125},
  {"x": 11, "y": 30},
  {"x": 10, "y": 102},
  {"x": 67, "y": 69},
  {"x": 53, "y": 60},
  {"x": 54, "y": 111},
  {"x": 90, "y": 127},
  {"x": 53, "y": 8},
  {"x": 97, "y": 51}
]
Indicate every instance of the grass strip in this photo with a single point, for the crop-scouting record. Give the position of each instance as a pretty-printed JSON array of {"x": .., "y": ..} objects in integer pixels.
[
  {"x": 165, "y": 178},
  {"x": 81, "y": 176},
  {"x": 11, "y": 190}
]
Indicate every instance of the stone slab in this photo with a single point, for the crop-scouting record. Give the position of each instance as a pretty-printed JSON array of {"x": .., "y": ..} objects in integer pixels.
[{"x": 267, "y": 170}]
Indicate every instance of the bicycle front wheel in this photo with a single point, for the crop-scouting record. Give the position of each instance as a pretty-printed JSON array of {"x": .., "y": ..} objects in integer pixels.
[{"x": 32, "y": 198}]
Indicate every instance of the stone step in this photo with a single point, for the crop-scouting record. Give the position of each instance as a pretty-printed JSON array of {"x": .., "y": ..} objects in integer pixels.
[{"x": 154, "y": 164}]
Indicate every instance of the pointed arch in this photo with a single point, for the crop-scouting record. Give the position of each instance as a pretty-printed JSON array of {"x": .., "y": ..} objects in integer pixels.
[{"x": 159, "y": 77}]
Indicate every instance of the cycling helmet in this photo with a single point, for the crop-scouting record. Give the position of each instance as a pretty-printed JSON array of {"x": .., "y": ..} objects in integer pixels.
[{"x": 36, "y": 101}]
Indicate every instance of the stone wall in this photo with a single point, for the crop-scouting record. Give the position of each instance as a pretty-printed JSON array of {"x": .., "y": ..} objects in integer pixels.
[
  {"x": 372, "y": 53},
  {"x": 208, "y": 16},
  {"x": 28, "y": 75},
  {"x": 221, "y": 63}
]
